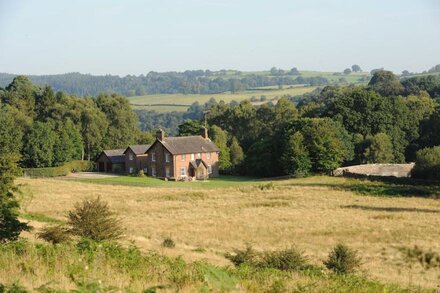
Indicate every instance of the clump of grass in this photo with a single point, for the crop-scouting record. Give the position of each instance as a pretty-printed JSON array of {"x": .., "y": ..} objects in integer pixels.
[
  {"x": 289, "y": 259},
  {"x": 55, "y": 234},
  {"x": 267, "y": 186},
  {"x": 343, "y": 260},
  {"x": 427, "y": 259},
  {"x": 168, "y": 243},
  {"x": 199, "y": 249}
]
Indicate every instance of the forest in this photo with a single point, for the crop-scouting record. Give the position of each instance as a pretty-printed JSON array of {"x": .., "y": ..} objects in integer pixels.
[
  {"x": 187, "y": 82},
  {"x": 388, "y": 120}
]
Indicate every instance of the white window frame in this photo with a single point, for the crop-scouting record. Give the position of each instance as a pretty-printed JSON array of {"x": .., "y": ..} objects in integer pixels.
[
  {"x": 167, "y": 172},
  {"x": 192, "y": 157},
  {"x": 208, "y": 156},
  {"x": 182, "y": 171},
  {"x": 183, "y": 157},
  {"x": 131, "y": 170},
  {"x": 199, "y": 155},
  {"x": 153, "y": 171},
  {"x": 130, "y": 156},
  {"x": 167, "y": 158},
  {"x": 209, "y": 169},
  {"x": 146, "y": 170},
  {"x": 153, "y": 157}
]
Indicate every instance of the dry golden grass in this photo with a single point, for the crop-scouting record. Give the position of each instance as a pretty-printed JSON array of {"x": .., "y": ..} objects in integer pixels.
[{"x": 207, "y": 223}]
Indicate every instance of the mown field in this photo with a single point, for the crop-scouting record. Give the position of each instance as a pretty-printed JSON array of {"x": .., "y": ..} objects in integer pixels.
[
  {"x": 181, "y": 102},
  {"x": 384, "y": 222}
]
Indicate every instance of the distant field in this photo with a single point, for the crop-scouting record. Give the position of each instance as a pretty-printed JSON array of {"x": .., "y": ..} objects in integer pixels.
[
  {"x": 207, "y": 219},
  {"x": 174, "y": 102}
]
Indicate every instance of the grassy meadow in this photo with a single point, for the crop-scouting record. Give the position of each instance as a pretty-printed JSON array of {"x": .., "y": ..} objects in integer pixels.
[
  {"x": 181, "y": 102},
  {"x": 384, "y": 222}
]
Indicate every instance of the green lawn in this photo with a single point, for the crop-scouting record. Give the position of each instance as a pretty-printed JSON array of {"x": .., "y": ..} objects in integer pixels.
[
  {"x": 177, "y": 102},
  {"x": 220, "y": 182}
]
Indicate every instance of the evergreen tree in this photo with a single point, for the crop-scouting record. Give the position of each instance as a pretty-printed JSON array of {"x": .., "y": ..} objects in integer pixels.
[
  {"x": 237, "y": 155},
  {"x": 68, "y": 144},
  {"x": 220, "y": 138}
]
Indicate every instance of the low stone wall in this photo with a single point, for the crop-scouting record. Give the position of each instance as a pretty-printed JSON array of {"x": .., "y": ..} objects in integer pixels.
[{"x": 386, "y": 170}]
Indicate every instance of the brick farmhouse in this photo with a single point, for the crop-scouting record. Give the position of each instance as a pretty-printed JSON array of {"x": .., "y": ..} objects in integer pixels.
[{"x": 175, "y": 158}]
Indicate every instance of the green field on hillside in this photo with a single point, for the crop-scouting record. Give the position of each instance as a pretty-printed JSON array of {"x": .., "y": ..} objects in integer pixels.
[{"x": 181, "y": 102}]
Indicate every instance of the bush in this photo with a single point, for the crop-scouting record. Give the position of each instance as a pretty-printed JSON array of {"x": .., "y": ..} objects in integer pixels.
[
  {"x": 427, "y": 164},
  {"x": 168, "y": 243},
  {"x": 343, "y": 260},
  {"x": 93, "y": 219},
  {"x": 285, "y": 260},
  {"x": 54, "y": 234},
  {"x": 140, "y": 173},
  {"x": 66, "y": 169}
]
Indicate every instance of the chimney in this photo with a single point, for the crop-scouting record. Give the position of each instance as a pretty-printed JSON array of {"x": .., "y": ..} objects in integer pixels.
[
  {"x": 160, "y": 134},
  {"x": 204, "y": 132}
]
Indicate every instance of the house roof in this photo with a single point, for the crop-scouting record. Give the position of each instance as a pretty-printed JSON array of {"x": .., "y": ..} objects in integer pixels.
[
  {"x": 188, "y": 145},
  {"x": 139, "y": 149},
  {"x": 115, "y": 156},
  {"x": 197, "y": 163}
]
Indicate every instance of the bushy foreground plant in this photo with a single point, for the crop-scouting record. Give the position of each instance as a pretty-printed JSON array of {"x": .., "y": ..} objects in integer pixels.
[
  {"x": 343, "y": 260},
  {"x": 93, "y": 219},
  {"x": 289, "y": 259},
  {"x": 427, "y": 164}
]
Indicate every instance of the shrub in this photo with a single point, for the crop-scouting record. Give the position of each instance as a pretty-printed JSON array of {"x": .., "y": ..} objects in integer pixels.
[
  {"x": 239, "y": 257},
  {"x": 168, "y": 243},
  {"x": 285, "y": 260},
  {"x": 140, "y": 173},
  {"x": 427, "y": 164},
  {"x": 342, "y": 260},
  {"x": 93, "y": 219},
  {"x": 54, "y": 234},
  {"x": 267, "y": 186}
]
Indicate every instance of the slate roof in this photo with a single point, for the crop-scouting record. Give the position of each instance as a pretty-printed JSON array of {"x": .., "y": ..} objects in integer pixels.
[
  {"x": 188, "y": 145},
  {"x": 115, "y": 156},
  {"x": 139, "y": 149}
]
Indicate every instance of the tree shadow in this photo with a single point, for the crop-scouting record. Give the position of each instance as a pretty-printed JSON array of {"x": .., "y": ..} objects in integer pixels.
[{"x": 389, "y": 209}]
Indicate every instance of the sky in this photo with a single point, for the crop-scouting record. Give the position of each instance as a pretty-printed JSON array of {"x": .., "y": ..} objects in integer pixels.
[{"x": 137, "y": 36}]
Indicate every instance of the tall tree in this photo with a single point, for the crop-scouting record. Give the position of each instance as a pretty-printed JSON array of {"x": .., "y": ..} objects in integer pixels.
[
  {"x": 237, "y": 155},
  {"x": 386, "y": 83},
  {"x": 68, "y": 144},
  {"x": 122, "y": 121},
  {"x": 220, "y": 138},
  {"x": 295, "y": 159},
  {"x": 379, "y": 149},
  {"x": 39, "y": 146}
]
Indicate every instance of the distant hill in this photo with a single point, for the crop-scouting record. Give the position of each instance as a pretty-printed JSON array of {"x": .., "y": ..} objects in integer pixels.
[{"x": 187, "y": 82}]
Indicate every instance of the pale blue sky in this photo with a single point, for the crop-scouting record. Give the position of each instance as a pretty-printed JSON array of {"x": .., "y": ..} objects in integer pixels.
[{"x": 135, "y": 36}]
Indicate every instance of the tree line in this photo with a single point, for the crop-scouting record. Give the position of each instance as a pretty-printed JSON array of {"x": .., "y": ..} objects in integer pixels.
[
  {"x": 45, "y": 128},
  {"x": 187, "y": 82}
]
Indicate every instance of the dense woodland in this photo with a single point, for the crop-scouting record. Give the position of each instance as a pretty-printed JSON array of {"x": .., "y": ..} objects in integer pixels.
[
  {"x": 388, "y": 120},
  {"x": 188, "y": 82}
]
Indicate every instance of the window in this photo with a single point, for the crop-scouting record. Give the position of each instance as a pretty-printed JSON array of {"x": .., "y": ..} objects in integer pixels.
[
  {"x": 209, "y": 169},
  {"x": 130, "y": 170},
  {"x": 199, "y": 155},
  {"x": 167, "y": 157},
  {"x": 183, "y": 171},
  {"x": 153, "y": 157},
  {"x": 208, "y": 156},
  {"x": 130, "y": 156},
  {"x": 167, "y": 172},
  {"x": 153, "y": 171},
  {"x": 182, "y": 157},
  {"x": 145, "y": 170},
  {"x": 192, "y": 157}
]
